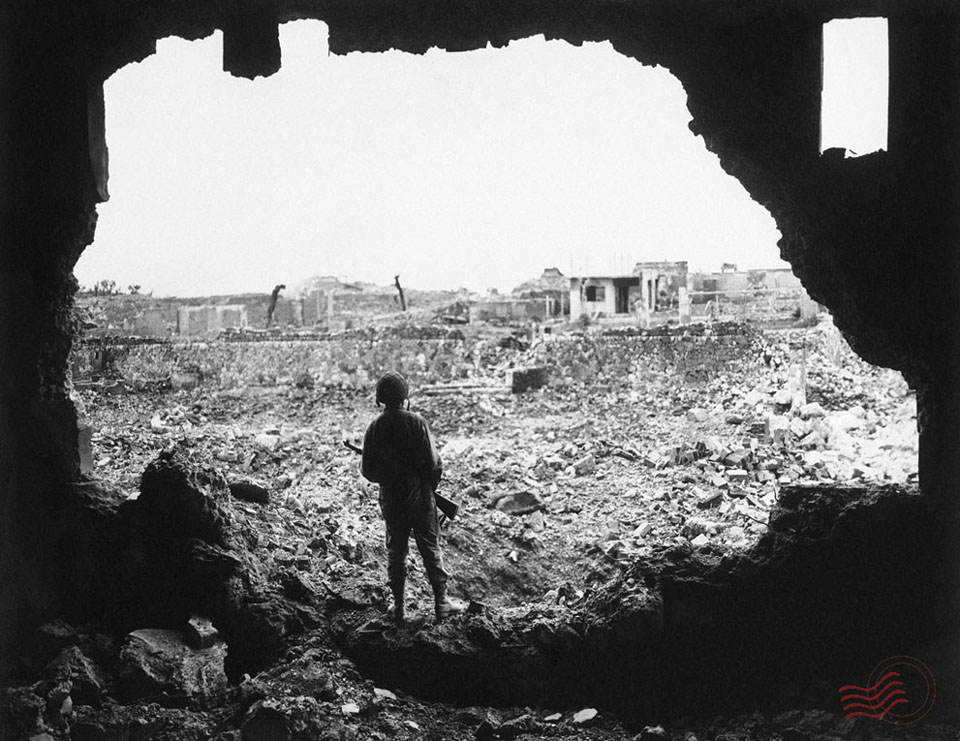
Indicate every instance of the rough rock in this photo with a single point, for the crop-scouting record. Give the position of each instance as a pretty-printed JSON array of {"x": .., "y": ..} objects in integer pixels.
[
  {"x": 519, "y": 503},
  {"x": 536, "y": 521},
  {"x": 157, "y": 665},
  {"x": 813, "y": 409},
  {"x": 267, "y": 441},
  {"x": 697, "y": 414},
  {"x": 782, "y": 400},
  {"x": 585, "y": 715},
  {"x": 250, "y": 491},
  {"x": 73, "y": 668},
  {"x": 185, "y": 498},
  {"x": 200, "y": 632},
  {"x": 525, "y": 379},
  {"x": 585, "y": 466}
]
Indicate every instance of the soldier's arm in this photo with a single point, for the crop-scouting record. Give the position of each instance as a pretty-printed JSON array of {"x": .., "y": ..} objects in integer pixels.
[
  {"x": 369, "y": 468},
  {"x": 432, "y": 463}
]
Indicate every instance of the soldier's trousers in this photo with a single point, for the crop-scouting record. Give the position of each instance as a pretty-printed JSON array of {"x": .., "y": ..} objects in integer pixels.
[{"x": 420, "y": 518}]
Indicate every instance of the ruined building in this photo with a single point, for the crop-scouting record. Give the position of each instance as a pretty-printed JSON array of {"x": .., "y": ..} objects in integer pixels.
[{"x": 856, "y": 232}]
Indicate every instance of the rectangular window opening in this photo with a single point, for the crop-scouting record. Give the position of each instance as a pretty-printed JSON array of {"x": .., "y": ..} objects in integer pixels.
[
  {"x": 596, "y": 293},
  {"x": 855, "y": 86}
]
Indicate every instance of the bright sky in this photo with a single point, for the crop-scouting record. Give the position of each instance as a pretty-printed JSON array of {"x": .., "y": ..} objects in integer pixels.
[
  {"x": 474, "y": 169},
  {"x": 855, "y": 85}
]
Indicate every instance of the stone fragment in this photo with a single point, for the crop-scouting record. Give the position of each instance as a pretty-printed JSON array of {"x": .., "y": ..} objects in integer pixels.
[
  {"x": 700, "y": 541},
  {"x": 520, "y": 503},
  {"x": 584, "y": 716},
  {"x": 250, "y": 491},
  {"x": 649, "y": 733},
  {"x": 655, "y": 460},
  {"x": 515, "y": 727},
  {"x": 184, "y": 497},
  {"x": 473, "y": 490},
  {"x": 737, "y": 458},
  {"x": 585, "y": 465},
  {"x": 536, "y": 521},
  {"x": 200, "y": 632},
  {"x": 697, "y": 414},
  {"x": 782, "y": 401},
  {"x": 813, "y": 409},
  {"x": 642, "y": 530},
  {"x": 72, "y": 668},
  {"x": 384, "y": 694},
  {"x": 158, "y": 665},
  {"x": 709, "y": 499},
  {"x": 267, "y": 441}
]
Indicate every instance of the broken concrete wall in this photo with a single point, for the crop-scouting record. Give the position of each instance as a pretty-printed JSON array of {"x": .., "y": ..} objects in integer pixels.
[
  {"x": 516, "y": 310},
  {"x": 209, "y": 321},
  {"x": 619, "y": 357},
  {"x": 356, "y": 362},
  {"x": 590, "y": 296}
]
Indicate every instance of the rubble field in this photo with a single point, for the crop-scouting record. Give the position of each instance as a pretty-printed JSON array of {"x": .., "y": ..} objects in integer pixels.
[
  {"x": 559, "y": 486},
  {"x": 563, "y": 490}
]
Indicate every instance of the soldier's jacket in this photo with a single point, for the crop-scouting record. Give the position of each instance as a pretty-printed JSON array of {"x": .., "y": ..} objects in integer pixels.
[{"x": 399, "y": 454}]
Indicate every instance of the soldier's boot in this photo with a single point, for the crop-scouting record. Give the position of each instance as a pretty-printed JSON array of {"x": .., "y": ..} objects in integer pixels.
[
  {"x": 445, "y": 606},
  {"x": 397, "y": 611}
]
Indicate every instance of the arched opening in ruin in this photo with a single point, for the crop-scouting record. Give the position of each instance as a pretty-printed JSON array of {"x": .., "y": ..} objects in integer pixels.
[{"x": 206, "y": 196}]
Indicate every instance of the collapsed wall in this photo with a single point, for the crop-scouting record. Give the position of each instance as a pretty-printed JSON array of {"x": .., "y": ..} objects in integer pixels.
[{"x": 356, "y": 360}]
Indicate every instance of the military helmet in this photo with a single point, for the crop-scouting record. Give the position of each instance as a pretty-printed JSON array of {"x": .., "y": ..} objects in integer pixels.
[{"x": 392, "y": 389}]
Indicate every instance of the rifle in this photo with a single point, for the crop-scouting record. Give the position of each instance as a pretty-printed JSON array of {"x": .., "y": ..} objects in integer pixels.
[{"x": 445, "y": 505}]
